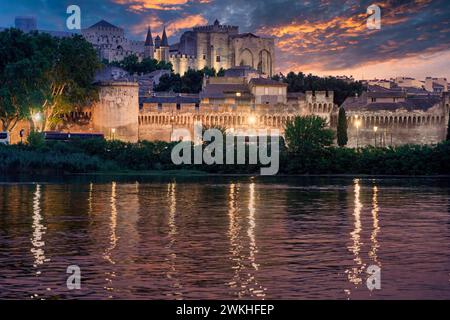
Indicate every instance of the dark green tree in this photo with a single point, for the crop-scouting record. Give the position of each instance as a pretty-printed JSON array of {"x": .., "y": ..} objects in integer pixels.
[
  {"x": 192, "y": 81},
  {"x": 307, "y": 134},
  {"x": 342, "y": 137},
  {"x": 301, "y": 83},
  {"x": 132, "y": 65},
  {"x": 169, "y": 83},
  {"x": 210, "y": 72},
  {"x": 68, "y": 83},
  {"x": 448, "y": 128},
  {"x": 24, "y": 62}
]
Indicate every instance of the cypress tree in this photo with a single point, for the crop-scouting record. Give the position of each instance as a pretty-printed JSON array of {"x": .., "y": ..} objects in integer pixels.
[{"x": 342, "y": 137}]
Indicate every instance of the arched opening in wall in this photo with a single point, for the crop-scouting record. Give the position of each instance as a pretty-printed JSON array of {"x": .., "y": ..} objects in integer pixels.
[
  {"x": 247, "y": 58},
  {"x": 265, "y": 62}
]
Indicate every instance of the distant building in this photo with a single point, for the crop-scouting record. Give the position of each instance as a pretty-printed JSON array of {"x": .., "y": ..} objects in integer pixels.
[
  {"x": 233, "y": 102},
  {"x": 437, "y": 85},
  {"x": 111, "y": 43},
  {"x": 346, "y": 79},
  {"x": 396, "y": 117},
  {"x": 26, "y": 24},
  {"x": 388, "y": 84},
  {"x": 216, "y": 46},
  {"x": 406, "y": 82}
]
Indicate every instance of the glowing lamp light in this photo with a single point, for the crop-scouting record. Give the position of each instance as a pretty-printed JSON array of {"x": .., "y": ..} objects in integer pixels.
[
  {"x": 113, "y": 130},
  {"x": 238, "y": 94},
  {"x": 252, "y": 120},
  {"x": 358, "y": 123},
  {"x": 37, "y": 117},
  {"x": 375, "y": 129}
]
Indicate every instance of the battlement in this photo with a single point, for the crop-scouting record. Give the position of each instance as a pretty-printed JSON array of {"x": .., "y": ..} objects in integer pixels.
[
  {"x": 217, "y": 28},
  {"x": 320, "y": 93},
  {"x": 182, "y": 56}
]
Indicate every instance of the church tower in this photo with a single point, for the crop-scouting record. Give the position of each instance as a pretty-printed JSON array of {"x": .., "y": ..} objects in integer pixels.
[
  {"x": 164, "y": 47},
  {"x": 149, "y": 49}
]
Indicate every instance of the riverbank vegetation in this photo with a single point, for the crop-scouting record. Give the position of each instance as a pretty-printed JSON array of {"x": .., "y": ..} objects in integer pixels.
[{"x": 309, "y": 149}]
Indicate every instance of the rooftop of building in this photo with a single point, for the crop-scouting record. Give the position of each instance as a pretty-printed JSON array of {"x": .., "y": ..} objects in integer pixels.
[
  {"x": 104, "y": 24},
  {"x": 267, "y": 82},
  {"x": 220, "y": 91},
  {"x": 420, "y": 103},
  {"x": 172, "y": 98}
]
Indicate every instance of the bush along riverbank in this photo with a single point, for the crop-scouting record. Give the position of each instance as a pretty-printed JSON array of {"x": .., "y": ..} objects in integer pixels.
[{"x": 91, "y": 156}]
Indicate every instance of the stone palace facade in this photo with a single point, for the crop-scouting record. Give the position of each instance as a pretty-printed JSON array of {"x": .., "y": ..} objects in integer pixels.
[{"x": 215, "y": 46}]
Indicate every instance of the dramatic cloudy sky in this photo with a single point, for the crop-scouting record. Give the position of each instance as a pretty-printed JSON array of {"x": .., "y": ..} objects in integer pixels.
[{"x": 326, "y": 37}]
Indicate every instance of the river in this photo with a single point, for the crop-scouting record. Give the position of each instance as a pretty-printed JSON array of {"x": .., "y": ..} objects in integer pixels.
[{"x": 225, "y": 237}]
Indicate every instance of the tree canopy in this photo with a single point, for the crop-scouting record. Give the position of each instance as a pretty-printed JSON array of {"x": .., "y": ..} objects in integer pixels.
[
  {"x": 41, "y": 73},
  {"x": 307, "y": 134},
  {"x": 132, "y": 65},
  {"x": 190, "y": 82},
  {"x": 299, "y": 82}
]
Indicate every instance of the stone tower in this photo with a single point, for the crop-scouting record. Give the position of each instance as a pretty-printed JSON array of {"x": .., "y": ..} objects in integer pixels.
[
  {"x": 117, "y": 111},
  {"x": 149, "y": 50},
  {"x": 164, "y": 47}
]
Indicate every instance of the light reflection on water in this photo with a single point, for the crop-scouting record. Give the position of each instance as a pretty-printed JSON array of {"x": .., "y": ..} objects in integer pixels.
[{"x": 226, "y": 238}]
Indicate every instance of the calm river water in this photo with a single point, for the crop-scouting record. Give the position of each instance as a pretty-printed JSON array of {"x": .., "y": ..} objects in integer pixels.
[{"x": 225, "y": 238}]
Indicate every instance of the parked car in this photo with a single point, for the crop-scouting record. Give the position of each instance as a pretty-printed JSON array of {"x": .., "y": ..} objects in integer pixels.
[{"x": 5, "y": 138}]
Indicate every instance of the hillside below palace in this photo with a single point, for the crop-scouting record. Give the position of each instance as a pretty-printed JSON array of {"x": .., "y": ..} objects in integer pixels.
[{"x": 215, "y": 46}]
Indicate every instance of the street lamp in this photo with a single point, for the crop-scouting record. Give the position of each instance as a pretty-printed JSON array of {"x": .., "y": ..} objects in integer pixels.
[
  {"x": 375, "y": 129},
  {"x": 357, "y": 124},
  {"x": 252, "y": 120},
  {"x": 37, "y": 119}
]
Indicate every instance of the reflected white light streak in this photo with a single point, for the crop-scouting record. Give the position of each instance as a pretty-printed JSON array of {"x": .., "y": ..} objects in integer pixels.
[
  {"x": 172, "y": 274},
  {"x": 38, "y": 245},
  {"x": 236, "y": 255},
  {"x": 112, "y": 238},
  {"x": 354, "y": 275},
  {"x": 257, "y": 290},
  {"x": 376, "y": 228}
]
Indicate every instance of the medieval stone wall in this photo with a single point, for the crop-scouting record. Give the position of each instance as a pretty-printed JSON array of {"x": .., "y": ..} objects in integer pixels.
[
  {"x": 396, "y": 128},
  {"x": 116, "y": 114},
  {"x": 156, "y": 123}
]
